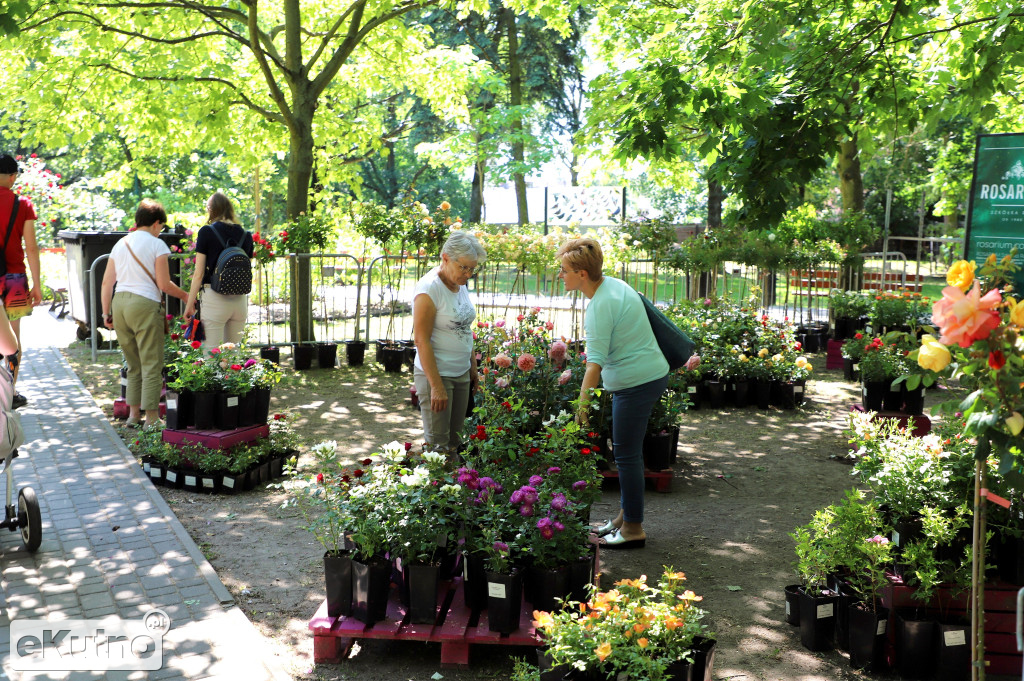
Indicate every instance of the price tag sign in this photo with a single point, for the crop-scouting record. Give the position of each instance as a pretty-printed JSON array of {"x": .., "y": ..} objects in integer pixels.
[
  {"x": 190, "y": 480},
  {"x": 229, "y": 483},
  {"x": 798, "y": 389},
  {"x": 208, "y": 483},
  {"x": 172, "y": 404},
  {"x": 825, "y": 611},
  {"x": 232, "y": 401},
  {"x": 495, "y": 590},
  {"x": 955, "y": 638}
]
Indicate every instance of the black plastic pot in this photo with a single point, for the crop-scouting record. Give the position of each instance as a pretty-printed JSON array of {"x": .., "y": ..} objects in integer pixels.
[
  {"x": 421, "y": 583},
  {"x": 246, "y": 410},
  {"x": 475, "y": 583},
  {"x": 915, "y": 646},
  {"x": 338, "y": 580},
  {"x": 232, "y": 483},
  {"x": 581, "y": 576},
  {"x": 892, "y": 400},
  {"x": 548, "y": 586},
  {"x": 763, "y": 394},
  {"x": 703, "y": 658},
  {"x": 817, "y": 620},
  {"x": 793, "y": 605},
  {"x": 873, "y": 394},
  {"x": 657, "y": 450},
  {"x": 271, "y": 352},
  {"x": 851, "y": 369},
  {"x": 867, "y": 631},
  {"x": 227, "y": 411},
  {"x": 205, "y": 403},
  {"x": 715, "y": 393},
  {"x": 504, "y": 601},
  {"x": 742, "y": 394},
  {"x": 913, "y": 400},
  {"x": 392, "y": 358},
  {"x": 260, "y": 405},
  {"x": 952, "y": 651},
  {"x": 371, "y": 583},
  {"x": 326, "y": 355},
  {"x": 180, "y": 410},
  {"x": 302, "y": 355},
  {"x": 355, "y": 352}
]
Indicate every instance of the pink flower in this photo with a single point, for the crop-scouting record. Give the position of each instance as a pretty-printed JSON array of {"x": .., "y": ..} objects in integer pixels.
[
  {"x": 500, "y": 323},
  {"x": 214, "y": 351},
  {"x": 692, "y": 363},
  {"x": 526, "y": 362},
  {"x": 503, "y": 360},
  {"x": 501, "y": 383},
  {"x": 564, "y": 377},
  {"x": 878, "y": 539},
  {"x": 966, "y": 317},
  {"x": 557, "y": 350},
  {"x": 549, "y": 325},
  {"x": 249, "y": 362}
]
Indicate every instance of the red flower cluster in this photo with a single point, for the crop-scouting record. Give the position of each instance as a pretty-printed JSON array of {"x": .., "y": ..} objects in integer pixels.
[{"x": 480, "y": 434}]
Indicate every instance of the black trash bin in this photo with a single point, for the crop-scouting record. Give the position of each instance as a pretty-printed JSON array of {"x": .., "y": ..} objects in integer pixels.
[{"x": 81, "y": 249}]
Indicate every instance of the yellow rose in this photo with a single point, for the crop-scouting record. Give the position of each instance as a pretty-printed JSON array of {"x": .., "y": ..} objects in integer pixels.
[
  {"x": 961, "y": 274},
  {"x": 933, "y": 355},
  {"x": 1015, "y": 422},
  {"x": 1017, "y": 314},
  {"x": 763, "y": 352},
  {"x": 743, "y": 358},
  {"x": 777, "y": 358}
]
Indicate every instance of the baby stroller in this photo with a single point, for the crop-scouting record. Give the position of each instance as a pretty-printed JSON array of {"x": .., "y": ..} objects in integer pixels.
[{"x": 24, "y": 516}]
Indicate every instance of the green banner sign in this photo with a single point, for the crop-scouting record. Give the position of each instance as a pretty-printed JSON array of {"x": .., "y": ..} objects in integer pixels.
[{"x": 995, "y": 219}]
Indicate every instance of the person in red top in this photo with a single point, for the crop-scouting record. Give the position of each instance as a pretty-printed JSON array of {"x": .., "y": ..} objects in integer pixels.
[{"x": 17, "y": 297}]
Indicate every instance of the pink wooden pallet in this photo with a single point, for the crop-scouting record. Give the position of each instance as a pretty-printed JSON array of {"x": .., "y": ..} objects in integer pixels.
[
  {"x": 662, "y": 479},
  {"x": 216, "y": 439},
  {"x": 455, "y": 629}
]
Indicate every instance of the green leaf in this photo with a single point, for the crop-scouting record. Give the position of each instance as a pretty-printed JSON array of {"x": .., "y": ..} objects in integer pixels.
[
  {"x": 968, "y": 402},
  {"x": 913, "y": 382}
]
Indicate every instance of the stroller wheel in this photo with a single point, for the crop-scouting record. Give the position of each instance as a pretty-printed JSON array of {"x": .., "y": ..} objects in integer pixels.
[{"x": 29, "y": 518}]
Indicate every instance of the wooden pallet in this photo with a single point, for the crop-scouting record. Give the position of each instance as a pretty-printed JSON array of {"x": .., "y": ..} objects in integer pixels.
[
  {"x": 662, "y": 480},
  {"x": 456, "y": 628},
  {"x": 216, "y": 439},
  {"x": 1001, "y": 656}
]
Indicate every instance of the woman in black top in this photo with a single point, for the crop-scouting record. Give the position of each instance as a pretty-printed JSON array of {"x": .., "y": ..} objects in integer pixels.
[{"x": 223, "y": 316}]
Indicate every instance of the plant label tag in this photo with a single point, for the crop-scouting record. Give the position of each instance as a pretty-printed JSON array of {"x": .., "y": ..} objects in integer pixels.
[
  {"x": 146, "y": 467},
  {"x": 787, "y": 608},
  {"x": 880, "y": 631},
  {"x": 825, "y": 611},
  {"x": 868, "y": 329},
  {"x": 798, "y": 389},
  {"x": 208, "y": 483},
  {"x": 732, "y": 386},
  {"x": 895, "y": 537},
  {"x": 692, "y": 390},
  {"x": 495, "y": 590},
  {"x": 190, "y": 480},
  {"x": 124, "y": 380},
  {"x": 155, "y": 473},
  {"x": 229, "y": 483},
  {"x": 172, "y": 476},
  {"x": 442, "y": 539},
  {"x": 232, "y": 401},
  {"x": 172, "y": 404},
  {"x": 856, "y": 367},
  {"x": 954, "y": 638}
]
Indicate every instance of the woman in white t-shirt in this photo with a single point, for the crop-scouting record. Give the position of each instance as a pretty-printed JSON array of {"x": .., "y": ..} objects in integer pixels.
[
  {"x": 442, "y": 317},
  {"x": 138, "y": 264}
]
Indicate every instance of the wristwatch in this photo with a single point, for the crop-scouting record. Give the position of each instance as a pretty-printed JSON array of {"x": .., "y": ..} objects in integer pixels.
[{"x": 108, "y": 317}]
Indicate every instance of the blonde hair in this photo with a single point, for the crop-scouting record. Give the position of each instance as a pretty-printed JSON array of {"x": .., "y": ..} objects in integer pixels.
[
  {"x": 583, "y": 254},
  {"x": 219, "y": 207}
]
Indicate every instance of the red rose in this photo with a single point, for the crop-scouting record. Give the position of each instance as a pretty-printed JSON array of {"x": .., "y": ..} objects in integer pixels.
[
  {"x": 278, "y": 417},
  {"x": 175, "y": 336},
  {"x": 996, "y": 359},
  {"x": 859, "y": 336},
  {"x": 358, "y": 472},
  {"x": 236, "y": 367},
  {"x": 196, "y": 345},
  {"x": 585, "y": 451},
  {"x": 366, "y": 462},
  {"x": 408, "y": 446},
  {"x": 320, "y": 477}
]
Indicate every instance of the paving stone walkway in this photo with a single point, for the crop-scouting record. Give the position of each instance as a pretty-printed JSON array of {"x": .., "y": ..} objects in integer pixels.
[{"x": 111, "y": 546}]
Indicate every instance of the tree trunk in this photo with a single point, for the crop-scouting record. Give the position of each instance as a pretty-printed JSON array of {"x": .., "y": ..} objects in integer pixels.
[
  {"x": 515, "y": 93},
  {"x": 300, "y": 171},
  {"x": 851, "y": 189},
  {"x": 851, "y": 182},
  {"x": 716, "y": 195},
  {"x": 476, "y": 199}
]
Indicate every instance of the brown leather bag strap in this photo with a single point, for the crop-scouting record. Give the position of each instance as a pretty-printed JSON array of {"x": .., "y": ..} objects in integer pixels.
[{"x": 144, "y": 269}]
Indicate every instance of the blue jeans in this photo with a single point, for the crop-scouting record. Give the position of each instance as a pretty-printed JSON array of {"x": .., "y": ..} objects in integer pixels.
[{"x": 631, "y": 409}]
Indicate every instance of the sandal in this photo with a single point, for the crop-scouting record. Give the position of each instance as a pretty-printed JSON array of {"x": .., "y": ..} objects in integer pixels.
[
  {"x": 132, "y": 423},
  {"x": 617, "y": 541},
  {"x": 607, "y": 528}
]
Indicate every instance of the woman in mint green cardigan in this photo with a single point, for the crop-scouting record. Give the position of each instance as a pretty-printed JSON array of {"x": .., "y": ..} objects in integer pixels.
[{"x": 624, "y": 357}]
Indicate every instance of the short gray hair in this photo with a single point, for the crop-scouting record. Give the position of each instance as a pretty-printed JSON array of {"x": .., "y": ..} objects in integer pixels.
[{"x": 462, "y": 244}]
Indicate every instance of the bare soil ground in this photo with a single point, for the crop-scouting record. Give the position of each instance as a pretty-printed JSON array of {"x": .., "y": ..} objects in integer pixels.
[{"x": 743, "y": 480}]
